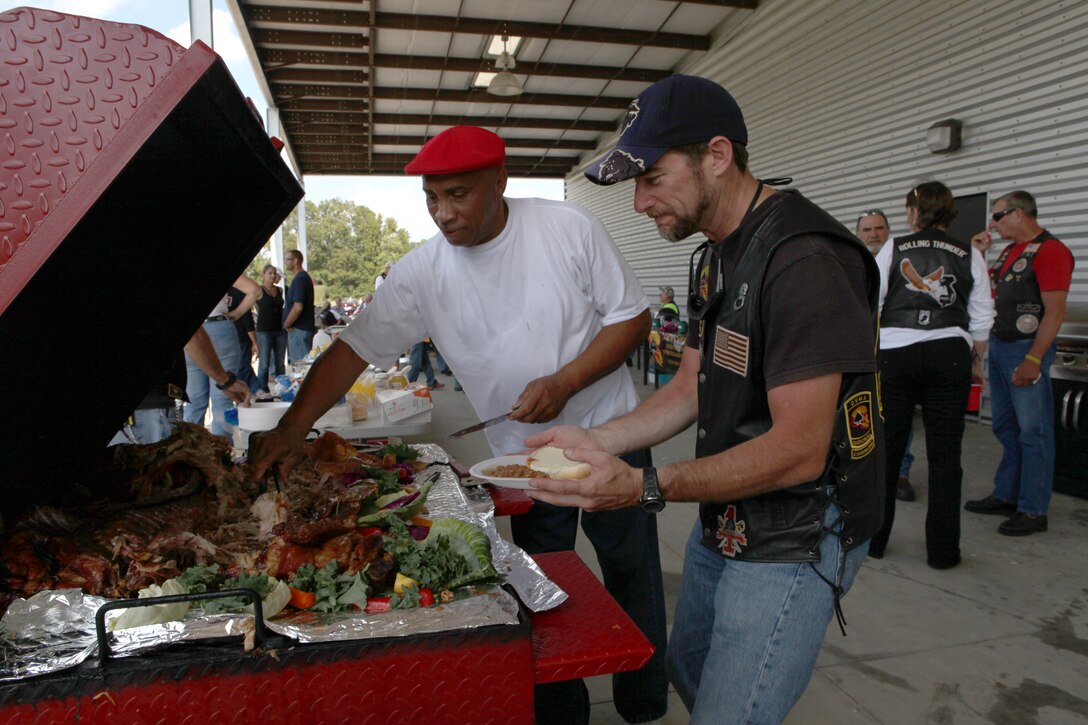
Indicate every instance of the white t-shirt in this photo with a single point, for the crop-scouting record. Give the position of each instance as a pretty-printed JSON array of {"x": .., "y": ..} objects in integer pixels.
[
  {"x": 980, "y": 306},
  {"x": 509, "y": 311}
]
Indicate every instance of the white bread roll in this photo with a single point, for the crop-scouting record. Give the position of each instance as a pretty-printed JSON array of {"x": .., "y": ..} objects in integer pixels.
[{"x": 551, "y": 462}]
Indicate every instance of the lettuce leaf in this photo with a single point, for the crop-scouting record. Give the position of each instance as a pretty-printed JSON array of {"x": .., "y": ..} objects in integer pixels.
[
  {"x": 470, "y": 542},
  {"x": 156, "y": 613}
]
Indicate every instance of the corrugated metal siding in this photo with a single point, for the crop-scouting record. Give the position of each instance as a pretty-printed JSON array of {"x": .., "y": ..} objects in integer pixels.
[{"x": 839, "y": 94}]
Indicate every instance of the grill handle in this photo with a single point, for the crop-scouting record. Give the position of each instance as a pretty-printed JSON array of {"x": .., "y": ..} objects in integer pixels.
[
  {"x": 1065, "y": 409},
  {"x": 259, "y": 630},
  {"x": 1076, "y": 410}
]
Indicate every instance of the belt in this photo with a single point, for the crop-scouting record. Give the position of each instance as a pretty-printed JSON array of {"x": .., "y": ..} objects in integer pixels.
[{"x": 216, "y": 318}]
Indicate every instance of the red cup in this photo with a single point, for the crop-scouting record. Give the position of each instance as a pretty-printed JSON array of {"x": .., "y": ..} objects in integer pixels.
[{"x": 974, "y": 398}]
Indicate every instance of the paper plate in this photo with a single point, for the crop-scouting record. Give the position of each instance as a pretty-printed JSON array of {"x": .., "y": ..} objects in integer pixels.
[{"x": 518, "y": 460}]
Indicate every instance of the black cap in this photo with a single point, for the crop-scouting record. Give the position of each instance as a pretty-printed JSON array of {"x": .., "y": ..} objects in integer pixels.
[{"x": 673, "y": 112}]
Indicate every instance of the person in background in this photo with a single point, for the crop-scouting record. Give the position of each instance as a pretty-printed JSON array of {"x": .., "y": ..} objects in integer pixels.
[
  {"x": 247, "y": 338},
  {"x": 271, "y": 337},
  {"x": 154, "y": 419},
  {"x": 668, "y": 306},
  {"x": 200, "y": 387},
  {"x": 873, "y": 230},
  {"x": 779, "y": 375},
  {"x": 419, "y": 359},
  {"x": 1031, "y": 279},
  {"x": 936, "y": 313},
  {"x": 382, "y": 275},
  {"x": 444, "y": 368},
  {"x": 515, "y": 351},
  {"x": 298, "y": 309}
]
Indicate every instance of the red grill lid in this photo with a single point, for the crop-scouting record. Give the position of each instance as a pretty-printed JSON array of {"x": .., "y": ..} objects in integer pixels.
[{"x": 135, "y": 185}]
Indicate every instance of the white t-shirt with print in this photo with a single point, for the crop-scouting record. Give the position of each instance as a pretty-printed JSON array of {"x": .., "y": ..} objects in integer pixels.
[{"x": 509, "y": 311}]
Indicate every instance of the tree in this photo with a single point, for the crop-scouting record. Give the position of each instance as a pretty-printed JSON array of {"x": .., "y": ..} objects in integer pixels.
[{"x": 347, "y": 245}]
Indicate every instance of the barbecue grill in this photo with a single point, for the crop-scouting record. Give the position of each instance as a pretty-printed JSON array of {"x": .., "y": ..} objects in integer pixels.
[
  {"x": 124, "y": 156},
  {"x": 1069, "y": 375}
]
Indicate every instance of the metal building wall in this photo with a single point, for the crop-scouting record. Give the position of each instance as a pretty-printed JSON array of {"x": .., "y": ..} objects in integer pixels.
[{"x": 839, "y": 94}]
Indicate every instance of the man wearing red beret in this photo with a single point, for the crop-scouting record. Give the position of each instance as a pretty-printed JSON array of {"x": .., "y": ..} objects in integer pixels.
[{"x": 536, "y": 310}]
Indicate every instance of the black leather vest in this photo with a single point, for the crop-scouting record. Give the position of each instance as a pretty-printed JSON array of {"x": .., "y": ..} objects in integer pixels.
[
  {"x": 784, "y": 525},
  {"x": 1017, "y": 299},
  {"x": 929, "y": 283}
]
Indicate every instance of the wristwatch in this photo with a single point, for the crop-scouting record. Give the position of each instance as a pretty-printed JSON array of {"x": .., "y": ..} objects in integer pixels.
[
  {"x": 231, "y": 378},
  {"x": 652, "y": 501}
]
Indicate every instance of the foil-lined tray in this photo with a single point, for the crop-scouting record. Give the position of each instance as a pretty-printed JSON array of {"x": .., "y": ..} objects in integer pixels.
[{"x": 54, "y": 630}]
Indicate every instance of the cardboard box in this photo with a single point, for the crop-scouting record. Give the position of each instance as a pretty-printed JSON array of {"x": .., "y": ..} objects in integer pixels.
[{"x": 396, "y": 405}]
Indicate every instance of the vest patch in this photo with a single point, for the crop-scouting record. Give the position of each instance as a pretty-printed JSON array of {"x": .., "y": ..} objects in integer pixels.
[
  {"x": 939, "y": 286},
  {"x": 730, "y": 535},
  {"x": 731, "y": 351},
  {"x": 858, "y": 410}
]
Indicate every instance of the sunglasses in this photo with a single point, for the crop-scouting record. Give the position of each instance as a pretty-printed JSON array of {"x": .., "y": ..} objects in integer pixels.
[
  {"x": 999, "y": 215},
  {"x": 871, "y": 212}
]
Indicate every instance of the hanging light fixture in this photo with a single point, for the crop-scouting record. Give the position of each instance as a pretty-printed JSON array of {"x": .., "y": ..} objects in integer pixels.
[{"x": 504, "y": 83}]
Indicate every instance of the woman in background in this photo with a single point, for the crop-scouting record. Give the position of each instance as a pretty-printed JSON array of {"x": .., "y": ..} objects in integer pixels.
[{"x": 271, "y": 337}]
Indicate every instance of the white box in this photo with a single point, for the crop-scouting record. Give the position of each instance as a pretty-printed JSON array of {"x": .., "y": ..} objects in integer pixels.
[
  {"x": 265, "y": 416},
  {"x": 396, "y": 405}
]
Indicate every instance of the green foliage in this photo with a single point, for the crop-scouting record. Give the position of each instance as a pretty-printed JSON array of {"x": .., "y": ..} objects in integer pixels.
[{"x": 348, "y": 245}]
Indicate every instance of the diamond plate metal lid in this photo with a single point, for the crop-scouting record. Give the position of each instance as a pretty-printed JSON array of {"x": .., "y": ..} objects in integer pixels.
[{"x": 136, "y": 183}]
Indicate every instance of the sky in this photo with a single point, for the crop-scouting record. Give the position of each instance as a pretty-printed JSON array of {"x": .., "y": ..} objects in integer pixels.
[{"x": 399, "y": 197}]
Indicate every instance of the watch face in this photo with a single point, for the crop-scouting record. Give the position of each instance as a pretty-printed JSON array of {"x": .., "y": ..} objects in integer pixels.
[{"x": 653, "y": 505}]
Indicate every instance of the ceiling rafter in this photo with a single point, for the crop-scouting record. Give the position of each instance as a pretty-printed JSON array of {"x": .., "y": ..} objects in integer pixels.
[
  {"x": 307, "y": 119},
  {"x": 261, "y": 15},
  {"x": 326, "y": 141},
  {"x": 348, "y": 108},
  {"x": 279, "y": 57}
]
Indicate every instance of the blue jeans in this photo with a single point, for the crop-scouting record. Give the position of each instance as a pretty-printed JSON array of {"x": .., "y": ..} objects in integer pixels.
[
  {"x": 271, "y": 347},
  {"x": 908, "y": 457},
  {"x": 440, "y": 361},
  {"x": 1023, "y": 421},
  {"x": 149, "y": 425},
  {"x": 200, "y": 387},
  {"x": 752, "y": 631},
  {"x": 299, "y": 343},
  {"x": 245, "y": 365},
  {"x": 420, "y": 360},
  {"x": 625, "y": 541}
]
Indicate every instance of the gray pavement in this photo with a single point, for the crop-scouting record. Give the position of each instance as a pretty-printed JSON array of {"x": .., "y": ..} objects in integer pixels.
[{"x": 1002, "y": 638}]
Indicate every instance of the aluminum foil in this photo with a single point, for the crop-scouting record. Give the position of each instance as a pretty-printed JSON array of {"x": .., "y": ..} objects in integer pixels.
[
  {"x": 50, "y": 631},
  {"x": 483, "y": 608},
  {"x": 195, "y": 626},
  {"x": 54, "y": 630},
  {"x": 447, "y": 498}
]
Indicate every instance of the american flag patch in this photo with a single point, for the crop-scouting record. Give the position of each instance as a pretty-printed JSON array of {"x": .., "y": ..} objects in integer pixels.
[{"x": 731, "y": 351}]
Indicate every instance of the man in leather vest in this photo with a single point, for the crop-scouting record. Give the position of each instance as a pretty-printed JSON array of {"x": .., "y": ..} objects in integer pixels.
[
  {"x": 779, "y": 375},
  {"x": 1031, "y": 282}
]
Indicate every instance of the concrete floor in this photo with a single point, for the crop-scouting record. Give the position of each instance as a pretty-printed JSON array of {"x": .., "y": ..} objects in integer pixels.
[{"x": 1002, "y": 638}]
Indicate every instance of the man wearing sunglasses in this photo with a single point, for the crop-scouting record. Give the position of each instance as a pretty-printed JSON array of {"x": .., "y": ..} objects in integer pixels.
[
  {"x": 1031, "y": 280},
  {"x": 779, "y": 376}
]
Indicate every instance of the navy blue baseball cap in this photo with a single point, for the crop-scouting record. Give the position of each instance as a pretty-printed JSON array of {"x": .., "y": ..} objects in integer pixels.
[{"x": 672, "y": 112}]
